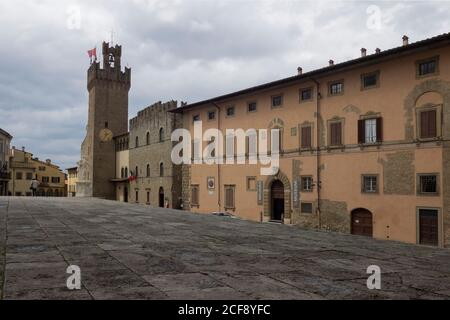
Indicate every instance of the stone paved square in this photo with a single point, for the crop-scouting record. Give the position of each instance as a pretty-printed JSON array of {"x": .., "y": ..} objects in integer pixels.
[{"x": 128, "y": 251}]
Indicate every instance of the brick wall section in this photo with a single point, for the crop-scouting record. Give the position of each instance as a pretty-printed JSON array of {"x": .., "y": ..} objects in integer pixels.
[
  {"x": 334, "y": 216},
  {"x": 186, "y": 186},
  {"x": 399, "y": 171}
]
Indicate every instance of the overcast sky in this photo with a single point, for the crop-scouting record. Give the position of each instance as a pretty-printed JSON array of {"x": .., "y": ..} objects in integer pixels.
[{"x": 181, "y": 50}]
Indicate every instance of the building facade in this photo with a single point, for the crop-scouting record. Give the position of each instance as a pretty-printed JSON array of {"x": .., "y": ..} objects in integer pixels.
[
  {"x": 107, "y": 117},
  {"x": 5, "y": 176},
  {"x": 72, "y": 178},
  {"x": 121, "y": 180},
  {"x": 364, "y": 147},
  {"x": 155, "y": 179},
  {"x": 24, "y": 168}
]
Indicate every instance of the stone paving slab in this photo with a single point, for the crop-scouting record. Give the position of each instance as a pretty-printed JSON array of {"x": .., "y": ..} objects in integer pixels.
[{"x": 128, "y": 251}]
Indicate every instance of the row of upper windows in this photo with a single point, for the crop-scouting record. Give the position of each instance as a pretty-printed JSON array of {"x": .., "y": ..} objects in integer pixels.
[
  {"x": 29, "y": 176},
  {"x": 124, "y": 171},
  {"x": 147, "y": 138},
  {"x": 370, "y": 80},
  {"x": 370, "y": 131}
]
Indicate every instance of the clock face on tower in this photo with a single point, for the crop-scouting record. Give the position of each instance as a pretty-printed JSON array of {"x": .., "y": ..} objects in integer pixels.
[{"x": 106, "y": 135}]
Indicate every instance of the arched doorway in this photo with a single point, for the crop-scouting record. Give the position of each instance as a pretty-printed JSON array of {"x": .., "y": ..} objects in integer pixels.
[
  {"x": 125, "y": 194},
  {"x": 277, "y": 199},
  {"x": 161, "y": 197},
  {"x": 362, "y": 223}
]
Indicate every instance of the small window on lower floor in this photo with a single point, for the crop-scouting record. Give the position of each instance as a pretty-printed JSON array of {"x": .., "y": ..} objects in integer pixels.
[
  {"x": 428, "y": 184},
  {"x": 307, "y": 207},
  {"x": 251, "y": 184},
  {"x": 137, "y": 196},
  {"x": 148, "y": 197},
  {"x": 370, "y": 184},
  {"x": 195, "y": 196},
  {"x": 230, "y": 197}
]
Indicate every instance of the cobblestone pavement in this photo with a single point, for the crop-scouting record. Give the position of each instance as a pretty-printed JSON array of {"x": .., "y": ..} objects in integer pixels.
[{"x": 137, "y": 252}]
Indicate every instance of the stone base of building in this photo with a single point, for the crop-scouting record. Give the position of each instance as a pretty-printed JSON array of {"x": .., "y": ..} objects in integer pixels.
[{"x": 84, "y": 189}]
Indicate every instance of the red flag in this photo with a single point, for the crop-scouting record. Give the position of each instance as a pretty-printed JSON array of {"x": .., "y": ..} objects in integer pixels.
[{"x": 93, "y": 53}]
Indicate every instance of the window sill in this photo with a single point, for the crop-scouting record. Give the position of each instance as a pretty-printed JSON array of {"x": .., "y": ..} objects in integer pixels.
[
  {"x": 335, "y": 147},
  {"x": 195, "y": 206},
  {"x": 428, "y": 194}
]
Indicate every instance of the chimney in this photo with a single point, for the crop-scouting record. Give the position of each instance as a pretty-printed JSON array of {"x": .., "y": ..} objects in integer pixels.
[
  {"x": 405, "y": 40},
  {"x": 363, "y": 52},
  {"x": 377, "y": 50},
  {"x": 48, "y": 161},
  {"x": 299, "y": 70},
  {"x": 331, "y": 63},
  {"x": 23, "y": 149}
]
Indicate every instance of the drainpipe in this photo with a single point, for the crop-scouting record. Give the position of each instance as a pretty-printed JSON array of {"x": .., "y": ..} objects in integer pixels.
[
  {"x": 319, "y": 97},
  {"x": 218, "y": 165}
]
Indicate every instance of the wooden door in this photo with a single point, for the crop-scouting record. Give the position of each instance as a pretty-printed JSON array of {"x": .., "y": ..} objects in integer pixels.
[
  {"x": 428, "y": 227},
  {"x": 362, "y": 224}
]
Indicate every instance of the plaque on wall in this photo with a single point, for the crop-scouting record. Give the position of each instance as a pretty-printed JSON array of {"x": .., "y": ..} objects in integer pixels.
[{"x": 260, "y": 192}]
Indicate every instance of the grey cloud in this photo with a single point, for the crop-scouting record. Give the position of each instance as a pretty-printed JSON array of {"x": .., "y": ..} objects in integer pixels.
[{"x": 184, "y": 50}]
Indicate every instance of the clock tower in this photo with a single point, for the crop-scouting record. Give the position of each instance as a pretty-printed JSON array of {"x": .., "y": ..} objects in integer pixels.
[{"x": 108, "y": 89}]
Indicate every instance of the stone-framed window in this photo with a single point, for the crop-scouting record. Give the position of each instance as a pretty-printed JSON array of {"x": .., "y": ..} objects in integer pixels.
[
  {"x": 161, "y": 135},
  {"x": 428, "y": 122},
  {"x": 148, "y": 197},
  {"x": 231, "y": 111},
  {"x": 251, "y": 184},
  {"x": 336, "y": 132},
  {"x": 276, "y": 101},
  {"x": 252, "y": 106},
  {"x": 30, "y": 176},
  {"x": 307, "y": 183},
  {"x": 369, "y": 183},
  {"x": 19, "y": 175},
  {"x": 336, "y": 88},
  {"x": 370, "y": 80},
  {"x": 148, "y": 171},
  {"x": 137, "y": 195},
  {"x": 147, "y": 138},
  {"x": 161, "y": 169},
  {"x": 230, "y": 197},
  {"x": 428, "y": 184},
  {"x": 370, "y": 130},
  {"x": 195, "y": 195},
  {"x": 427, "y": 67},
  {"x": 306, "y": 135},
  {"x": 305, "y": 94},
  {"x": 211, "y": 115},
  {"x": 306, "y": 207},
  {"x": 136, "y": 142}
]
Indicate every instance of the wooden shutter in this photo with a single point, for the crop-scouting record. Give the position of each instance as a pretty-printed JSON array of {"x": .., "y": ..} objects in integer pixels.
[
  {"x": 229, "y": 198},
  {"x": 306, "y": 137},
  {"x": 379, "y": 129},
  {"x": 361, "y": 131},
  {"x": 336, "y": 133},
  {"x": 194, "y": 195},
  {"x": 428, "y": 124}
]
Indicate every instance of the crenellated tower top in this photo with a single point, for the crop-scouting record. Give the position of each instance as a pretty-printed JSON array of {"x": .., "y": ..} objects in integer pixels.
[{"x": 112, "y": 68}]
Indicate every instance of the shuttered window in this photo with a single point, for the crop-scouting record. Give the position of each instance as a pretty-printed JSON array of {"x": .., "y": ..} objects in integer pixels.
[
  {"x": 306, "y": 137},
  {"x": 195, "y": 195},
  {"x": 229, "y": 197},
  {"x": 336, "y": 134},
  {"x": 428, "y": 124},
  {"x": 370, "y": 130}
]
